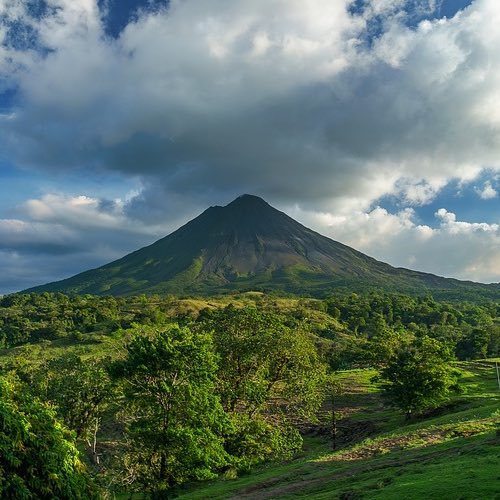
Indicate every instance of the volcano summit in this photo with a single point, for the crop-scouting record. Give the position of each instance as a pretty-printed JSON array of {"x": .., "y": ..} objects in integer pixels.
[{"x": 249, "y": 245}]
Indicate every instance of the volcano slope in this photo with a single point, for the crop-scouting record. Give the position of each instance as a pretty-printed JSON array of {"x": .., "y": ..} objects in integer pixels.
[{"x": 249, "y": 245}]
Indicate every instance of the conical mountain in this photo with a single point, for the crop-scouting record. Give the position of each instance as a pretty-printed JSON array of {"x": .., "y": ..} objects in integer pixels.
[{"x": 249, "y": 245}]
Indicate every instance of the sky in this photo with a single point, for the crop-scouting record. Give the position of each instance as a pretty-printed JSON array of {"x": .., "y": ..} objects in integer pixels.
[{"x": 374, "y": 122}]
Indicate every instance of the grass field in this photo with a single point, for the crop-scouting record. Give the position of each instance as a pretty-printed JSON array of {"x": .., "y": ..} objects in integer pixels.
[{"x": 451, "y": 453}]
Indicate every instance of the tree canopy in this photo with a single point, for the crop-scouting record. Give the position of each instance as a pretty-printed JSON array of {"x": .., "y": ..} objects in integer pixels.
[
  {"x": 418, "y": 376},
  {"x": 176, "y": 420},
  {"x": 38, "y": 457}
]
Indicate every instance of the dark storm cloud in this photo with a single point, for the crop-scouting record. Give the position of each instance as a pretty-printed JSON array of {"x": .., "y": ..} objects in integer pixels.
[
  {"x": 230, "y": 100},
  {"x": 304, "y": 102}
]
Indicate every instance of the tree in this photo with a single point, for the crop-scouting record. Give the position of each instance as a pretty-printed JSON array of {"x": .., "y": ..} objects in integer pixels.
[
  {"x": 270, "y": 377},
  {"x": 383, "y": 340},
  {"x": 477, "y": 343},
  {"x": 175, "y": 418},
  {"x": 419, "y": 376},
  {"x": 265, "y": 366},
  {"x": 38, "y": 457},
  {"x": 81, "y": 391}
]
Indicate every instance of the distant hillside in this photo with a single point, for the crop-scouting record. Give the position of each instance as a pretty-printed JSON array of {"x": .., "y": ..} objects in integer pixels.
[{"x": 249, "y": 245}]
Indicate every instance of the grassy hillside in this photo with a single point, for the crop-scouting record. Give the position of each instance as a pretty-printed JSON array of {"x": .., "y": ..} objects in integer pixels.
[{"x": 452, "y": 453}]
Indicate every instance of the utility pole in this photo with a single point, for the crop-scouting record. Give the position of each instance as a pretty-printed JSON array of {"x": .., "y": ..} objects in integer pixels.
[
  {"x": 334, "y": 389},
  {"x": 498, "y": 375},
  {"x": 334, "y": 424}
]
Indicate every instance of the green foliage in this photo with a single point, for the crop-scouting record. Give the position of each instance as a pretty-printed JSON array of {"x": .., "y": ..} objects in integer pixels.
[
  {"x": 451, "y": 453},
  {"x": 269, "y": 376},
  {"x": 471, "y": 330},
  {"x": 80, "y": 390},
  {"x": 38, "y": 457},
  {"x": 255, "y": 439},
  {"x": 479, "y": 343},
  {"x": 51, "y": 316},
  {"x": 266, "y": 366},
  {"x": 175, "y": 418},
  {"x": 254, "y": 372},
  {"x": 418, "y": 376}
]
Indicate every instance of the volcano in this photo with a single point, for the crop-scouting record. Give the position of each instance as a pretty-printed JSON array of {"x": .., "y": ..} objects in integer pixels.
[{"x": 249, "y": 245}]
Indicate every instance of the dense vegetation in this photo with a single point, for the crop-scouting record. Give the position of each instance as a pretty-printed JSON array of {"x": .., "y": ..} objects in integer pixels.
[
  {"x": 471, "y": 330},
  {"x": 449, "y": 453},
  {"x": 38, "y": 457},
  {"x": 149, "y": 394}
]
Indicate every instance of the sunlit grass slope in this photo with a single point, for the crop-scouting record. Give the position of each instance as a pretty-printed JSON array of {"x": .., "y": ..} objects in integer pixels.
[{"x": 452, "y": 453}]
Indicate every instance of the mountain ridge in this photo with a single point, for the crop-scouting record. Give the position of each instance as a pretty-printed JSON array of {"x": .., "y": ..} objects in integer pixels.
[{"x": 249, "y": 245}]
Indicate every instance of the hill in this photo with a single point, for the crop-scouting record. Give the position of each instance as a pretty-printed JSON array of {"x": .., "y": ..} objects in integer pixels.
[
  {"x": 451, "y": 452},
  {"x": 249, "y": 245}
]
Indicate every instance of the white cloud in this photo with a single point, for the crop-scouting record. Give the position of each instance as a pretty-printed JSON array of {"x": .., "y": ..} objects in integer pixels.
[
  {"x": 74, "y": 211},
  {"x": 57, "y": 235},
  {"x": 208, "y": 99},
  {"x": 278, "y": 97},
  {"x": 464, "y": 250},
  {"x": 450, "y": 223},
  {"x": 487, "y": 192},
  {"x": 420, "y": 191}
]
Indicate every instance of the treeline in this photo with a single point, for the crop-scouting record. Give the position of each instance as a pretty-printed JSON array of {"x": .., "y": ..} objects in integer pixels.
[
  {"x": 33, "y": 317},
  {"x": 471, "y": 330}
]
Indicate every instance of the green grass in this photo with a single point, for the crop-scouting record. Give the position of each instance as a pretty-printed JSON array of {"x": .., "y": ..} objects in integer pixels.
[
  {"x": 452, "y": 453},
  {"x": 87, "y": 346}
]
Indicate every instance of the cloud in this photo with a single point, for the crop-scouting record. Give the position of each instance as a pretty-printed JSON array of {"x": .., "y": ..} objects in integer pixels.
[
  {"x": 21, "y": 236},
  {"x": 57, "y": 235},
  {"x": 487, "y": 192},
  {"x": 20, "y": 270},
  {"x": 303, "y": 102},
  {"x": 283, "y": 98},
  {"x": 464, "y": 250},
  {"x": 75, "y": 211}
]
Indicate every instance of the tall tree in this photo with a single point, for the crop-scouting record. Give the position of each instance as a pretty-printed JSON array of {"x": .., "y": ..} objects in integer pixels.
[
  {"x": 270, "y": 377},
  {"x": 175, "y": 418},
  {"x": 81, "y": 391},
  {"x": 265, "y": 365}
]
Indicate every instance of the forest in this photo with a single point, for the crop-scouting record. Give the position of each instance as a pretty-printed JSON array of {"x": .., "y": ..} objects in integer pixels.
[{"x": 103, "y": 397}]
